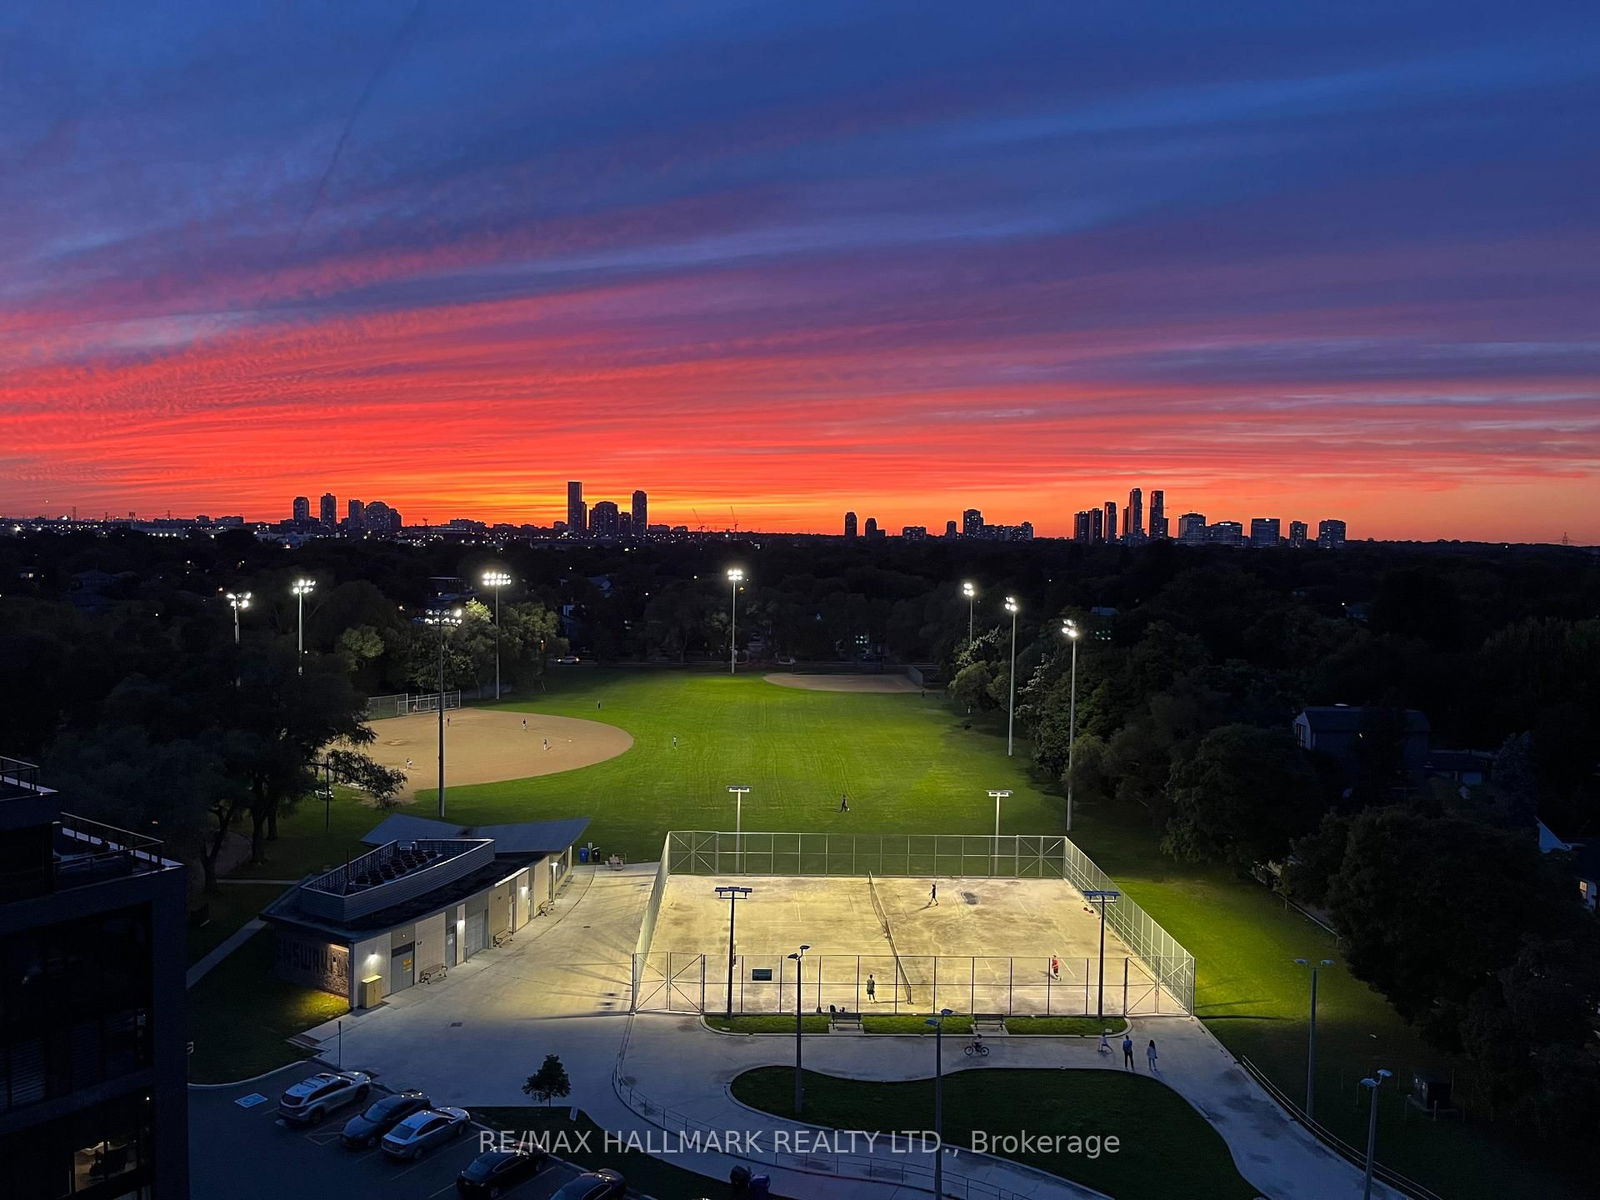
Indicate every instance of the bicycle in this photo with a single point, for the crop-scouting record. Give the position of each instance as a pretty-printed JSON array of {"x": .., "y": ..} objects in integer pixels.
[{"x": 976, "y": 1047}]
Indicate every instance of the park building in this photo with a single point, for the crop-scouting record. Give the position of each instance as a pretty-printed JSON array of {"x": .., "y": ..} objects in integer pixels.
[
  {"x": 428, "y": 896},
  {"x": 93, "y": 1014}
]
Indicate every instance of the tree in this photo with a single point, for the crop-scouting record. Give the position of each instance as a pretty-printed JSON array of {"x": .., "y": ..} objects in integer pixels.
[
  {"x": 549, "y": 1082},
  {"x": 1240, "y": 799},
  {"x": 974, "y": 686}
]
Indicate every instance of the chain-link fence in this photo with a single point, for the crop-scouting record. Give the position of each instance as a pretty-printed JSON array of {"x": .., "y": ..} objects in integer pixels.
[{"x": 406, "y": 703}]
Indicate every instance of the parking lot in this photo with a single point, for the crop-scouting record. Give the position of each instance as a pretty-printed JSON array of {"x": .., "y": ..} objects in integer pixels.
[{"x": 247, "y": 1153}]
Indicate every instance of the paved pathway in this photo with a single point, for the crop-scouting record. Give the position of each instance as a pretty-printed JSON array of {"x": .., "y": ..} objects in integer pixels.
[{"x": 237, "y": 939}]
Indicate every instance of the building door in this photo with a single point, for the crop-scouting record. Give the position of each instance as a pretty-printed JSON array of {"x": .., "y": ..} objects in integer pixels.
[
  {"x": 403, "y": 967},
  {"x": 449, "y": 941},
  {"x": 477, "y": 932}
]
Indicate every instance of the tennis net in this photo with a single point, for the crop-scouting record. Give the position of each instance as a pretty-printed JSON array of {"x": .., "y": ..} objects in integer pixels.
[{"x": 902, "y": 980}]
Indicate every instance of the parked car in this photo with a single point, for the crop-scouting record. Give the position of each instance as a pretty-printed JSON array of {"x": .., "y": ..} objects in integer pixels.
[
  {"x": 604, "y": 1184},
  {"x": 785, "y": 660},
  {"x": 568, "y": 658},
  {"x": 365, "y": 1128},
  {"x": 422, "y": 1131},
  {"x": 496, "y": 1170},
  {"x": 308, "y": 1101}
]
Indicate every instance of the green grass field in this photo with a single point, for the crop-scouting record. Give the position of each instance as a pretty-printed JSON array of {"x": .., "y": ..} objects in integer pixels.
[
  {"x": 1165, "y": 1148},
  {"x": 911, "y": 765}
]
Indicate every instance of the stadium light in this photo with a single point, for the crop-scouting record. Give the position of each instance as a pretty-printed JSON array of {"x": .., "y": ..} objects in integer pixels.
[
  {"x": 735, "y": 578},
  {"x": 1372, "y": 1084},
  {"x": 1013, "y": 608},
  {"x": 446, "y": 619},
  {"x": 1069, "y": 628},
  {"x": 799, "y": 1022},
  {"x": 301, "y": 588},
  {"x": 998, "y": 796},
  {"x": 733, "y": 895},
  {"x": 496, "y": 580},
  {"x": 1105, "y": 896},
  {"x": 970, "y": 591},
  {"x": 739, "y": 792},
  {"x": 938, "y": 1098},
  {"x": 1311, "y": 1045},
  {"x": 238, "y": 600}
]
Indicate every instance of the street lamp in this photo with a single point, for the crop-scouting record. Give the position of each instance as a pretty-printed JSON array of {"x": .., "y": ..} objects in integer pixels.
[
  {"x": 1013, "y": 608},
  {"x": 1070, "y": 628},
  {"x": 735, "y": 578},
  {"x": 733, "y": 895},
  {"x": 496, "y": 580},
  {"x": 998, "y": 795},
  {"x": 799, "y": 959},
  {"x": 446, "y": 619},
  {"x": 1372, "y": 1084},
  {"x": 1104, "y": 896},
  {"x": 739, "y": 791},
  {"x": 301, "y": 588},
  {"x": 970, "y": 591},
  {"x": 938, "y": 1099},
  {"x": 1311, "y": 1047},
  {"x": 238, "y": 600}
]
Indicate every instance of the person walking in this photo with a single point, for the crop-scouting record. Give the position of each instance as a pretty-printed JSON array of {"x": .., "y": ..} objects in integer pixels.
[
  {"x": 1105, "y": 1041},
  {"x": 409, "y": 764},
  {"x": 844, "y": 802},
  {"x": 547, "y": 743},
  {"x": 524, "y": 724},
  {"x": 1150, "y": 1055},
  {"x": 872, "y": 988},
  {"x": 674, "y": 741},
  {"x": 1055, "y": 967},
  {"x": 597, "y": 706},
  {"x": 1127, "y": 1052},
  {"x": 933, "y": 895}
]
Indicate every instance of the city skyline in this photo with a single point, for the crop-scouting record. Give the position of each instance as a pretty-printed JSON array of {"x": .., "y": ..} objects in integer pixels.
[{"x": 793, "y": 262}]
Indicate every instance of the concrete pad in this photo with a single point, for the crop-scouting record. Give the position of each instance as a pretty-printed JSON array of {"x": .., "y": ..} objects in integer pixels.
[
  {"x": 843, "y": 683},
  {"x": 484, "y": 745}
]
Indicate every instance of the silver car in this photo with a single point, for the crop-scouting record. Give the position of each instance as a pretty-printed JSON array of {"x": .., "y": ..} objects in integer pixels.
[
  {"x": 308, "y": 1101},
  {"x": 421, "y": 1132}
]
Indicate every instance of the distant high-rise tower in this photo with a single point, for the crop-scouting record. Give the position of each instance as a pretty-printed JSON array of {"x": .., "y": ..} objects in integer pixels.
[
  {"x": 1097, "y": 524},
  {"x": 1111, "y": 520},
  {"x": 972, "y": 523},
  {"x": 950, "y": 529},
  {"x": 1264, "y": 531},
  {"x": 1330, "y": 534},
  {"x": 1135, "y": 514},
  {"x": 330, "y": 510},
  {"x": 1297, "y": 534},
  {"x": 1192, "y": 528},
  {"x": 302, "y": 508},
  {"x": 872, "y": 528},
  {"x": 577, "y": 513},
  {"x": 1158, "y": 514},
  {"x": 356, "y": 514},
  {"x": 850, "y": 525},
  {"x": 1080, "y": 526},
  {"x": 641, "y": 513},
  {"x": 603, "y": 518}
]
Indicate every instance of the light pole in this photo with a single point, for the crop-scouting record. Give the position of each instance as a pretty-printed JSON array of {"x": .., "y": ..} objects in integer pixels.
[
  {"x": 1070, "y": 628},
  {"x": 998, "y": 796},
  {"x": 1013, "y": 608},
  {"x": 733, "y": 896},
  {"x": 1372, "y": 1084},
  {"x": 739, "y": 791},
  {"x": 446, "y": 619},
  {"x": 1311, "y": 1044},
  {"x": 799, "y": 1026},
  {"x": 735, "y": 578},
  {"x": 496, "y": 580},
  {"x": 238, "y": 600},
  {"x": 301, "y": 588},
  {"x": 970, "y": 591},
  {"x": 938, "y": 1100},
  {"x": 1105, "y": 897}
]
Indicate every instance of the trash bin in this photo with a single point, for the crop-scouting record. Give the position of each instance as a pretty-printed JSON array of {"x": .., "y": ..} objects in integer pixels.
[{"x": 583, "y": 854}]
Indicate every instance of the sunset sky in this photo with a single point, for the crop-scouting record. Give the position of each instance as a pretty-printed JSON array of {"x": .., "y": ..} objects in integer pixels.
[{"x": 772, "y": 261}]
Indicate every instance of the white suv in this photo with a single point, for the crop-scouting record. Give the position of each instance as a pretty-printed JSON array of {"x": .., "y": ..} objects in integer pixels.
[{"x": 308, "y": 1101}]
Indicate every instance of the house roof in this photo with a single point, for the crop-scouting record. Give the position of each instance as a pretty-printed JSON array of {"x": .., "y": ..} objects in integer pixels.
[
  {"x": 522, "y": 837},
  {"x": 1353, "y": 718}
]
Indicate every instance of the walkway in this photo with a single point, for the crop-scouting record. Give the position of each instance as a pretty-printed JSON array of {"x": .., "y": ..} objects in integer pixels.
[{"x": 220, "y": 952}]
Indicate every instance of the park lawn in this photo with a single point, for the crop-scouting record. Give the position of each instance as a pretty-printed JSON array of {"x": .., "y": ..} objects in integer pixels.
[
  {"x": 767, "y": 1024},
  {"x": 911, "y": 1023},
  {"x": 650, "y": 1176},
  {"x": 241, "y": 1015},
  {"x": 232, "y": 906},
  {"x": 1070, "y": 1026},
  {"x": 1166, "y": 1148}
]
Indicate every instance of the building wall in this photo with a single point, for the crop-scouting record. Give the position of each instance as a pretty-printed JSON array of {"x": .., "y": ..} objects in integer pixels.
[
  {"x": 312, "y": 962},
  {"x": 430, "y": 941},
  {"x": 369, "y": 957}
]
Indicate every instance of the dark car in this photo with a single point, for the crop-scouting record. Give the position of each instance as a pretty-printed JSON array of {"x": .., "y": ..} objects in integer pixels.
[
  {"x": 366, "y": 1128},
  {"x": 604, "y": 1184},
  {"x": 493, "y": 1172}
]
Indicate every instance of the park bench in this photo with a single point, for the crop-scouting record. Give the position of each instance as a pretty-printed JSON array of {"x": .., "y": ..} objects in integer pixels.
[
  {"x": 435, "y": 972},
  {"x": 503, "y": 937},
  {"x": 615, "y": 862}
]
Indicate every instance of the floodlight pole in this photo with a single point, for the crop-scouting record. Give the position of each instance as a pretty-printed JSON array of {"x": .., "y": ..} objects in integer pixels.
[
  {"x": 970, "y": 591},
  {"x": 735, "y": 578},
  {"x": 300, "y": 589},
  {"x": 938, "y": 1100},
  {"x": 739, "y": 790},
  {"x": 1011, "y": 705},
  {"x": 734, "y": 894},
  {"x": 1311, "y": 1043},
  {"x": 799, "y": 1026},
  {"x": 1372, "y": 1084},
  {"x": 444, "y": 619},
  {"x": 1104, "y": 896},
  {"x": 1070, "y": 628},
  {"x": 998, "y": 795}
]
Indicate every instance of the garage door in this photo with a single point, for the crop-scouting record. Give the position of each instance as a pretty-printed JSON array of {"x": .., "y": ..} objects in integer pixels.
[{"x": 476, "y": 933}]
